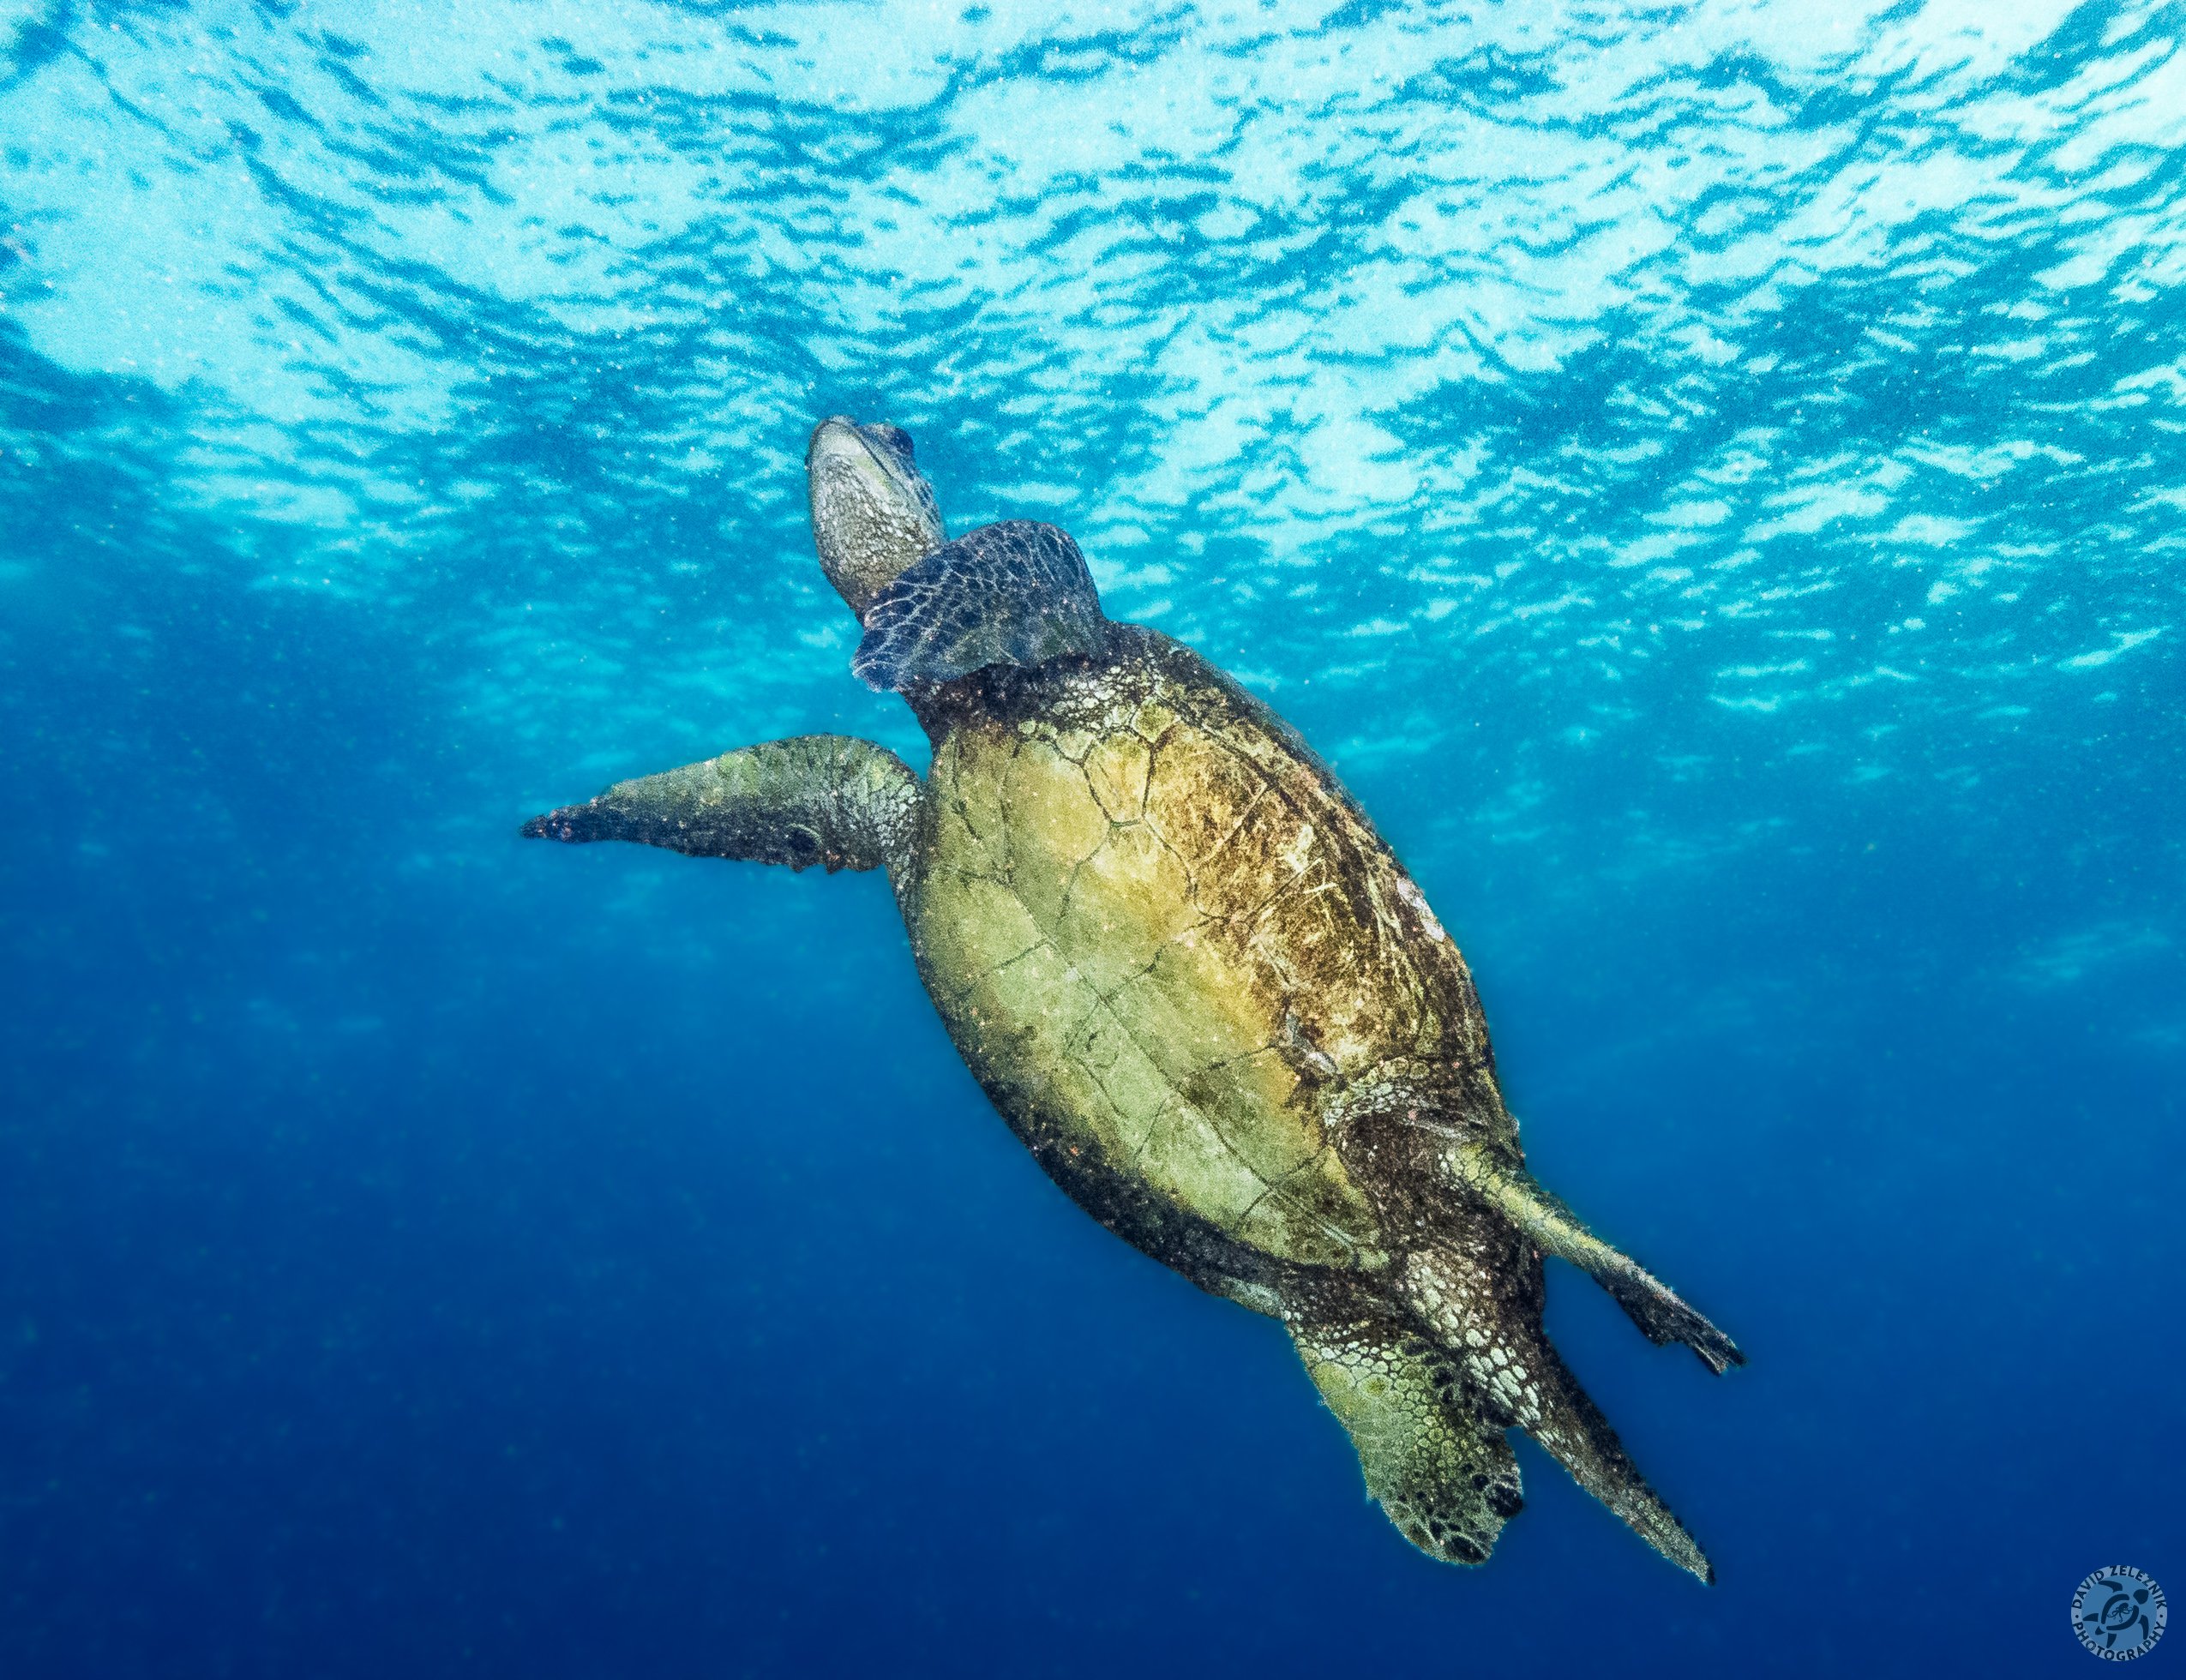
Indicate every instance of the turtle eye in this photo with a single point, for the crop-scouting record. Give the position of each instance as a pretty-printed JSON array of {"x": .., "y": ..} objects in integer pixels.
[{"x": 894, "y": 436}]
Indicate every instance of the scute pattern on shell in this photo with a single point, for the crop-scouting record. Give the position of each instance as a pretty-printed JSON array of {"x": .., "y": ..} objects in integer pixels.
[{"x": 1158, "y": 928}]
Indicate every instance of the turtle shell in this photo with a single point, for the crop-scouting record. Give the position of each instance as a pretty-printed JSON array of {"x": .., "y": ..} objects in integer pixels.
[{"x": 1177, "y": 955}]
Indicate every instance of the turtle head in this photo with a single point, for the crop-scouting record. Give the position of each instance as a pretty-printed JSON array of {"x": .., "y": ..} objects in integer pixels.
[{"x": 873, "y": 514}]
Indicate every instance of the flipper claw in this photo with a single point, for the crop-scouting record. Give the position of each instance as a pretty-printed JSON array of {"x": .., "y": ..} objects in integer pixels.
[{"x": 1664, "y": 1317}]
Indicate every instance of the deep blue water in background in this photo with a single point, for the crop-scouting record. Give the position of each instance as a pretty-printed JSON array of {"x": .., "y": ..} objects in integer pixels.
[{"x": 1712, "y": 477}]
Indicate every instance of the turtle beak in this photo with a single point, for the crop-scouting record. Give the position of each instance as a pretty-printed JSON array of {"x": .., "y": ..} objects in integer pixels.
[
  {"x": 832, "y": 430},
  {"x": 873, "y": 514}
]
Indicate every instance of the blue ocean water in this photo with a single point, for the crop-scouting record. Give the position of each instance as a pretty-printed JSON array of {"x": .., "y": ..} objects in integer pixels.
[{"x": 1713, "y": 478}]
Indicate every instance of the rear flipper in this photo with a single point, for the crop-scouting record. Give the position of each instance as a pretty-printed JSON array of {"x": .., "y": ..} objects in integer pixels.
[
  {"x": 1445, "y": 1476},
  {"x": 1487, "y": 1311},
  {"x": 1572, "y": 1430},
  {"x": 1553, "y": 1228}
]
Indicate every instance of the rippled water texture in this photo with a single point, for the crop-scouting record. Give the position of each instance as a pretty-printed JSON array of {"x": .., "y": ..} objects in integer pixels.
[{"x": 1712, "y": 477}]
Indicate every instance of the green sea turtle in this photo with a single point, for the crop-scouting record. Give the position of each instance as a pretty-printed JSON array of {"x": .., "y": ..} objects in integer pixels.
[{"x": 1197, "y": 985}]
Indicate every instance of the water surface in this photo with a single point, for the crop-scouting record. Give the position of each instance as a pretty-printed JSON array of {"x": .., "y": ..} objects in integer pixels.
[{"x": 1712, "y": 479}]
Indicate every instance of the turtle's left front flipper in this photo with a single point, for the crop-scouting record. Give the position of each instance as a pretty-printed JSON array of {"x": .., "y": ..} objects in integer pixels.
[
  {"x": 1553, "y": 1228},
  {"x": 830, "y": 800}
]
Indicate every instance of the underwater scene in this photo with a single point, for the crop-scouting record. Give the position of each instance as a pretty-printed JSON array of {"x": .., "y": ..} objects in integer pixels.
[{"x": 1706, "y": 483}]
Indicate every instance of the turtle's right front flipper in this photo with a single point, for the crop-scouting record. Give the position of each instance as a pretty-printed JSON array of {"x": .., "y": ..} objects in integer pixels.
[
  {"x": 830, "y": 800},
  {"x": 1016, "y": 593}
]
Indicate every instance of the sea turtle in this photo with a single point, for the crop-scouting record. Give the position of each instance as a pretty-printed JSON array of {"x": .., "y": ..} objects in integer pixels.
[{"x": 1197, "y": 985}]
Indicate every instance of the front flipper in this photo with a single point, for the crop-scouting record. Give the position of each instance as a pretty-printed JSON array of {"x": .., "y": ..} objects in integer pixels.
[
  {"x": 1553, "y": 1228},
  {"x": 1445, "y": 1476},
  {"x": 830, "y": 800},
  {"x": 1016, "y": 593}
]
